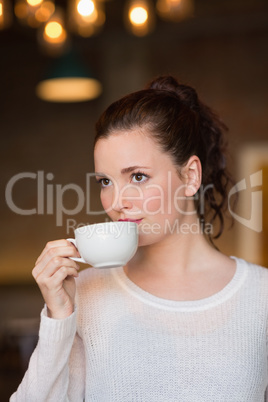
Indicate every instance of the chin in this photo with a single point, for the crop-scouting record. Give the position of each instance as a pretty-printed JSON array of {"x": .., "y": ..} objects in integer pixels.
[{"x": 149, "y": 239}]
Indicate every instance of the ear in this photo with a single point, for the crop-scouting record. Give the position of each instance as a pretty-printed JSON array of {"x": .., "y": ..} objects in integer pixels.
[{"x": 192, "y": 173}]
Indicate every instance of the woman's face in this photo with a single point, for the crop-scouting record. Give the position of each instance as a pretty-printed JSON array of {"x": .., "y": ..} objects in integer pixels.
[{"x": 139, "y": 182}]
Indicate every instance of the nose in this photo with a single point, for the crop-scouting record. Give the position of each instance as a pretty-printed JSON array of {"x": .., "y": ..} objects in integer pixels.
[
  {"x": 121, "y": 201},
  {"x": 124, "y": 198}
]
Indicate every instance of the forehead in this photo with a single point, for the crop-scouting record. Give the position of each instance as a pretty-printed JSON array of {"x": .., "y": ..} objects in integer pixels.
[
  {"x": 127, "y": 138},
  {"x": 127, "y": 148}
]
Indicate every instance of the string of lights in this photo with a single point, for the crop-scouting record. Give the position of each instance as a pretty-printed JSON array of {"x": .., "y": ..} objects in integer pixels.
[{"x": 87, "y": 17}]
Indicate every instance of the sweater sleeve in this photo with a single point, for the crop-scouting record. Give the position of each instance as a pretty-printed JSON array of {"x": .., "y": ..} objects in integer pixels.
[{"x": 49, "y": 376}]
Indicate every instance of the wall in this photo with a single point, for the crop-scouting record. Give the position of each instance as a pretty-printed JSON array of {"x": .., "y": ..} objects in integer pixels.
[
  {"x": 223, "y": 56},
  {"x": 222, "y": 52}
]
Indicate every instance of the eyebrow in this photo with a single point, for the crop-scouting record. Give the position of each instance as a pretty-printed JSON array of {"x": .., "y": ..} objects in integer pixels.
[
  {"x": 128, "y": 169},
  {"x": 132, "y": 168}
]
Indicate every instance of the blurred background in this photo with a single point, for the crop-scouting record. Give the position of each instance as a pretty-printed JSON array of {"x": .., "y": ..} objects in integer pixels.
[{"x": 219, "y": 47}]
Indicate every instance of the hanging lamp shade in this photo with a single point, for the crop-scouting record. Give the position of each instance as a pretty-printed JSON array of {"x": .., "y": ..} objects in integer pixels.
[{"x": 68, "y": 81}]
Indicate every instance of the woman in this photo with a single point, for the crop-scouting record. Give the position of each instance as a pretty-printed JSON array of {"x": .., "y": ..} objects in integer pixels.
[{"x": 181, "y": 321}]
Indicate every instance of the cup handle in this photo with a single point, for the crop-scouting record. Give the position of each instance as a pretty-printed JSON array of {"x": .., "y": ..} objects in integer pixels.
[{"x": 76, "y": 258}]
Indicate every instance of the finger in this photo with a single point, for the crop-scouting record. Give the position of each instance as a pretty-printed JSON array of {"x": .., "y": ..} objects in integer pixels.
[
  {"x": 44, "y": 277},
  {"x": 78, "y": 254},
  {"x": 51, "y": 245},
  {"x": 63, "y": 273},
  {"x": 55, "y": 257},
  {"x": 55, "y": 281},
  {"x": 59, "y": 262},
  {"x": 63, "y": 249}
]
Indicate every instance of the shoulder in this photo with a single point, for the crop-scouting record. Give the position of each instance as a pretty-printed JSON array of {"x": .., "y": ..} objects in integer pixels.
[
  {"x": 256, "y": 276},
  {"x": 251, "y": 268}
]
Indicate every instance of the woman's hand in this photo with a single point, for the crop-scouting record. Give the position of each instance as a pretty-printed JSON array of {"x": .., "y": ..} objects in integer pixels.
[{"x": 54, "y": 273}]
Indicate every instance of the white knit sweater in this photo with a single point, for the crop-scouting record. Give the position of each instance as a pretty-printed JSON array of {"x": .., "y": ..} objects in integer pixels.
[{"x": 123, "y": 344}]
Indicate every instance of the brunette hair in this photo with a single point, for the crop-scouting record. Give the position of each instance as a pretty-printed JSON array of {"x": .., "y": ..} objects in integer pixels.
[{"x": 183, "y": 126}]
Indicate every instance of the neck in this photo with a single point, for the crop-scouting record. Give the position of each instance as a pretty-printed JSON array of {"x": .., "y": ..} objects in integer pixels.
[
  {"x": 174, "y": 256},
  {"x": 180, "y": 267}
]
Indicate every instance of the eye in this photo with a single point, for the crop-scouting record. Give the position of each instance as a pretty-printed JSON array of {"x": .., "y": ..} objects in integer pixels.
[
  {"x": 139, "y": 177},
  {"x": 104, "y": 182}
]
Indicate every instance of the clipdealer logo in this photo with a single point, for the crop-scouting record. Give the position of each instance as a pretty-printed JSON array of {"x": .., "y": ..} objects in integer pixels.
[
  {"x": 50, "y": 198},
  {"x": 254, "y": 222}
]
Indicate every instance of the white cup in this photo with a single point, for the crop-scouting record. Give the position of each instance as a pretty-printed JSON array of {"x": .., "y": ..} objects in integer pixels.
[{"x": 107, "y": 244}]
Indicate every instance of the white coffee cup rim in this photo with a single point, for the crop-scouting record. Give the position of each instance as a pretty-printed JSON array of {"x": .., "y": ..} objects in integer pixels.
[{"x": 100, "y": 224}]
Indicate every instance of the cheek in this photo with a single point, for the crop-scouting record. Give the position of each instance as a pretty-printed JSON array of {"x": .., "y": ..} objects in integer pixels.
[
  {"x": 163, "y": 199},
  {"x": 106, "y": 199},
  {"x": 154, "y": 201}
]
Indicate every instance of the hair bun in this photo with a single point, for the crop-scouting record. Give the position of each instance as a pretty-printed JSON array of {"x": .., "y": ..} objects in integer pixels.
[
  {"x": 164, "y": 83},
  {"x": 187, "y": 95}
]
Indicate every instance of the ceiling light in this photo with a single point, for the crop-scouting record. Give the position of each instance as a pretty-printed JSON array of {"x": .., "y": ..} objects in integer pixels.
[
  {"x": 5, "y": 14},
  {"x": 68, "y": 81},
  {"x": 139, "y": 17},
  {"x": 52, "y": 36},
  {"x": 175, "y": 10},
  {"x": 85, "y": 17}
]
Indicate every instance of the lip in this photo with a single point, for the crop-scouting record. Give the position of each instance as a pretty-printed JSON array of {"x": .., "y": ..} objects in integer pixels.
[{"x": 131, "y": 220}]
